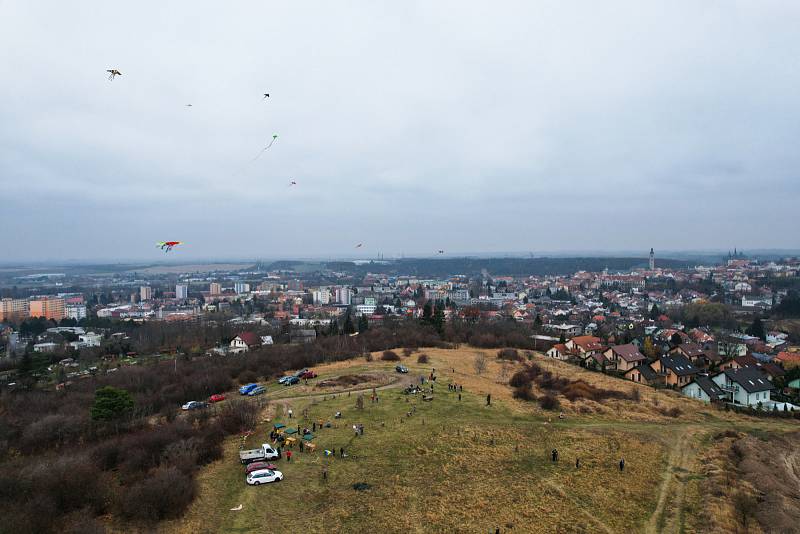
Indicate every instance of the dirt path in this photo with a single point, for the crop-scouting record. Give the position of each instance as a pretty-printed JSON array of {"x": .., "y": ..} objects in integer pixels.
[{"x": 668, "y": 515}]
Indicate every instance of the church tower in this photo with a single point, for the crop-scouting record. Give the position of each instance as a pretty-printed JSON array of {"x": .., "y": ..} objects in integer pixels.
[{"x": 652, "y": 260}]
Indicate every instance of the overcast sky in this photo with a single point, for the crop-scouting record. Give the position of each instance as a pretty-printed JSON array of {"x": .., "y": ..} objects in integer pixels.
[{"x": 408, "y": 126}]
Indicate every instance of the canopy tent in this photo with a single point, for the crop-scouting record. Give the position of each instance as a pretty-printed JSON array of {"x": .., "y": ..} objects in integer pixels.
[
  {"x": 278, "y": 426},
  {"x": 308, "y": 437}
]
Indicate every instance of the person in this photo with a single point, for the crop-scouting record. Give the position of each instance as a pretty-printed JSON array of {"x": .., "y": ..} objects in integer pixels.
[
  {"x": 460, "y": 387},
  {"x": 577, "y": 463},
  {"x": 301, "y": 445},
  {"x": 459, "y": 397},
  {"x": 290, "y": 413},
  {"x": 279, "y": 451},
  {"x": 489, "y": 399},
  {"x": 288, "y": 456},
  {"x": 554, "y": 455},
  {"x": 561, "y": 415},
  {"x": 314, "y": 426},
  {"x": 341, "y": 452},
  {"x": 622, "y": 464},
  {"x": 324, "y": 473}
]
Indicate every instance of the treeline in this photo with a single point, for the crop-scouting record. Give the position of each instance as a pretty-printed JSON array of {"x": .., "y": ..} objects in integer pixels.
[{"x": 429, "y": 267}]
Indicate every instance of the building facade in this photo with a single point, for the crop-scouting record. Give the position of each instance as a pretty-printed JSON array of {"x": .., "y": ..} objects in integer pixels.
[{"x": 49, "y": 308}]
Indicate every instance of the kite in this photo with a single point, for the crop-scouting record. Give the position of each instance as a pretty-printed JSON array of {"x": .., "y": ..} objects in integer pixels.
[
  {"x": 236, "y": 508},
  {"x": 360, "y": 245},
  {"x": 188, "y": 105},
  {"x": 292, "y": 182},
  {"x": 266, "y": 96},
  {"x": 112, "y": 73},
  {"x": 441, "y": 252},
  {"x": 166, "y": 246},
  {"x": 274, "y": 137}
]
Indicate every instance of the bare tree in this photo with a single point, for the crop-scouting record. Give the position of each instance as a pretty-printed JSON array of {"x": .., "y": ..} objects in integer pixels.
[{"x": 480, "y": 363}]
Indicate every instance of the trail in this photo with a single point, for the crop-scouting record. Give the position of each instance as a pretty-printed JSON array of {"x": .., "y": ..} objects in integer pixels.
[
  {"x": 668, "y": 515},
  {"x": 577, "y": 504}
]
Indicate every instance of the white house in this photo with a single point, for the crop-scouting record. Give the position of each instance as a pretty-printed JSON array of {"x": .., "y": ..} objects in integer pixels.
[
  {"x": 243, "y": 343},
  {"x": 705, "y": 389},
  {"x": 746, "y": 386}
]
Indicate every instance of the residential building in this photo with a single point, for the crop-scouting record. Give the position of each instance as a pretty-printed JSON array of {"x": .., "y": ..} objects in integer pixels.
[
  {"x": 746, "y": 386},
  {"x": 182, "y": 291},
  {"x": 241, "y": 288},
  {"x": 558, "y": 351},
  {"x": 705, "y": 389},
  {"x": 677, "y": 370},
  {"x": 13, "y": 309},
  {"x": 145, "y": 293},
  {"x": 583, "y": 345},
  {"x": 625, "y": 357},
  {"x": 215, "y": 288},
  {"x": 75, "y": 311},
  {"x": 48, "y": 307},
  {"x": 244, "y": 342},
  {"x": 344, "y": 295},
  {"x": 643, "y": 374}
]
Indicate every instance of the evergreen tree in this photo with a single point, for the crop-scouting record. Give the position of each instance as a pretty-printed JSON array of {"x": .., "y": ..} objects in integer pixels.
[
  {"x": 676, "y": 339},
  {"x": 438, "y": 319},
  {"x": 427, "y": 313},
  {"x": 654, "y": 312},
  {"x": 111, "y": 404},
  {"x": 348, "y": 327},
  {"x": 363, "y": 323},
  {"x": 757, "y": 329}
]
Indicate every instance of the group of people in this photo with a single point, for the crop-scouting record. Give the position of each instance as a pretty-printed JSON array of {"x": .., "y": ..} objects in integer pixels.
[{"x": 554, "y": 458}]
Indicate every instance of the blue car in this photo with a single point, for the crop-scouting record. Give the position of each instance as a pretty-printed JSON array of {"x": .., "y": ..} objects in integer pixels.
[
  {"x": 291, "y": 380},
  {"x": 257, "y": 391},
  {"x": 247, "y": 388}
]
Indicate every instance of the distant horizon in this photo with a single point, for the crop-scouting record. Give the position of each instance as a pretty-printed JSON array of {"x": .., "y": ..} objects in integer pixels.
[{"x": 176, "y": 258}]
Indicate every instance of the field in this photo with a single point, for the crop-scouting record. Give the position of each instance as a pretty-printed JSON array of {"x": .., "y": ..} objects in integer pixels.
[{"x": 453, "y": 465}]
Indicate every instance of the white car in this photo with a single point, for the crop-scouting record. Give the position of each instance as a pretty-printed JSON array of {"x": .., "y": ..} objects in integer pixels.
[
  {"x": 263, "y": 476},
  {"x": 193, "y": 405}
]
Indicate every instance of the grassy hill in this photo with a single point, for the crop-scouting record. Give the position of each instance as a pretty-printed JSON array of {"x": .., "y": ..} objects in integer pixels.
[{"x": 462, "y": 466}]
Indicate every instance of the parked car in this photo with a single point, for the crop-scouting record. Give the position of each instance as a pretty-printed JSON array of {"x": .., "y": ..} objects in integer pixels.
[
  {"x": 263, "y": 476},
  {"x": 257, "y": 391},
  {"x": 255, "y": 466},
  {"x": 401, "y": 369},
  {"x": 283, "y": 379},
  {"x": 266, "y": 452},
  {"x": 291, "y": 381},
  {"x": 247, "y": 388},
  {"x": 219, "y": 397},
  {"x": 308, "y": 374},
  {"x": 194, "y": 405}
]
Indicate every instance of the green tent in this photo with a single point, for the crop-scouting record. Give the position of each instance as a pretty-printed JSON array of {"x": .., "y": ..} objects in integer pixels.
[
  {"x": 278, "y": 426},
  {"x": 308, "y": 437},
  {"x": 290, "y": 431}
]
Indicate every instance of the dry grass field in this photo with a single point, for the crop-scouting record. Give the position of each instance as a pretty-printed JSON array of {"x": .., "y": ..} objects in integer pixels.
[{"x": 461, "y": 466}]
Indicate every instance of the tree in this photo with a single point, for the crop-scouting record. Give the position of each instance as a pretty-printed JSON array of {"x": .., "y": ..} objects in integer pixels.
[
  {"x": 111, "y": 404},
  {"x": 654, "y": 312},
  {"x": 348, "y": 327},
  {"x": 363, "y": 323},
  {"x": 427, "y": 313},
  {"x": 334, "y": 330},
  {"x": 438, "y": 319},
  {"x": 676, "y": 339},
  {"x": 648, "y": 348},
  {"x": 479, "y": 363},
  {"x": 757, "y": 329}
]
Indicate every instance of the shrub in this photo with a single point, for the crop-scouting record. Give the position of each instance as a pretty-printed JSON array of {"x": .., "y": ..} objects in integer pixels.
[
  {"x": 423, "y": 358},
  {"x": 519, "y": 379},
  {"x": 509, "y": 354},
  {"x": 408, "y": 351},
  {"x": 524, "y": 392},
  {"x": 368, "y": 356},
  {"x": 247, "y": 377},
  {"x": 165, "y": 493},
  {"x": 238, "y": 415},
  {"x": 636, "y": 395},
  {"x": 549, "y": 402},
  {"x": 390, "y": 356}
]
